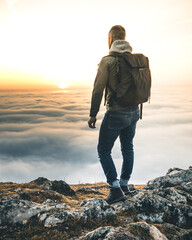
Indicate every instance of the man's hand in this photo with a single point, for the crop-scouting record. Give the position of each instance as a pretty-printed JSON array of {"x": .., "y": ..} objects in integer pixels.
[{"x": 91, "y": 122}]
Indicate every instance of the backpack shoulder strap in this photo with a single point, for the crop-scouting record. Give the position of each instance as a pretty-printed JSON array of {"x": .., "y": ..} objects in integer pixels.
[{"x": 108, "y": 86}]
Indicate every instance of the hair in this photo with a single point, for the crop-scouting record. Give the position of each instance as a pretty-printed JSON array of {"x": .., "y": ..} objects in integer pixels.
[{"x": 117, "y": 32}]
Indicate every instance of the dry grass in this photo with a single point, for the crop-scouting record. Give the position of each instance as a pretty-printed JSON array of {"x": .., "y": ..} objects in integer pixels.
[
  {"x": 35, "y": 230},
  {"x": 137, "y": 187},
  {"x": 101, "y": 187},
  {"x": 35, "y": 193}
]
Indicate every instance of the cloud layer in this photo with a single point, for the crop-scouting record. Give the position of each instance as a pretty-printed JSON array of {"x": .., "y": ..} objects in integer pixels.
[{"x": 46, "y": 134}]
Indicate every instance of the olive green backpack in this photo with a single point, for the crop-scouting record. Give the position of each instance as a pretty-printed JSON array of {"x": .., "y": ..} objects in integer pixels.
[{"x": 133, "y": 85}]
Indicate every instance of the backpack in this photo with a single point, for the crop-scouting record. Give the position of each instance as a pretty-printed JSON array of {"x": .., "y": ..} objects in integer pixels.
[{"x": 133, "y": 85}]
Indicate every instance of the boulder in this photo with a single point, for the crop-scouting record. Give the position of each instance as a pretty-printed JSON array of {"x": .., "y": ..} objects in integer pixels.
[
  {"x": 97, "y": 208},
  {"x": 109, "y": 233},
  {"x": 62, "y": 187},
  {"x": 173, "y": 232},
  {"x": 158, "y": 203},
  {"x": 146, "y": 231},
  {"x": 16, "y": 210},
  {"x": 134, "y": 231},
  {"x": 174, "y": 177},
  {"x": 58, "y": 186},
  {"x": 88, "y": 190},
  {"x": 151, "y": 207},
  {"x": 54, "y": 219},
  {"x": 131, "y": 187},
  {"x": 40, "y": 181}
]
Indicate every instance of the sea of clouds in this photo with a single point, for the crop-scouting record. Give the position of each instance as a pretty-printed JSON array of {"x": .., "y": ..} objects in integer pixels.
[{"x": 45, "y": 133}]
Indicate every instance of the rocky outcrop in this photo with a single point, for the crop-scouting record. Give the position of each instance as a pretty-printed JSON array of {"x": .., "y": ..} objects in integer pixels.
[
  {"x": 158, "y": 203},
  {"x": 174, "y": 177},
  {"x": 19, "y": 211},
  {"x": 134, "y": 231},
  {"x": 91, "y": 209},
  {"x": 161, "y": 210},
  {"x": 88, "y": 190},
  {"x": 131, "y": 187},
  {"x": 14, "y": 210},
  {"x": 97, "y": 208},
  {"x": 58, "y": 186},
  {"x": 152, "y": 207},
  {"x": 164, "y": 200}
]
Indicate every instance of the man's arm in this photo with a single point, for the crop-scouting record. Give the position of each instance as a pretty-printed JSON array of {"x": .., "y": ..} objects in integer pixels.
[{"x": 97, "y": 94}]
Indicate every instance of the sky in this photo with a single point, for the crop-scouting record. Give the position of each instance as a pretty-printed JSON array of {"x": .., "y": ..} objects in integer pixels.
[{"x": 59, "y": 43}]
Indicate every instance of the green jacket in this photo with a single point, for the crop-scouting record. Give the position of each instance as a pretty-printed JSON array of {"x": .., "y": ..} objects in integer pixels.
[{"x": 107, "y": 75}]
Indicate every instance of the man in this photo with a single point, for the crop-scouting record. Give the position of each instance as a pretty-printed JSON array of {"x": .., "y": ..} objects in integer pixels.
[{"x": 118, "y": 121}]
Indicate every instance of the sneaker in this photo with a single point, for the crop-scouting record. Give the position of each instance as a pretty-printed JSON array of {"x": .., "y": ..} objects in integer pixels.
[
  {"x": 115, "y": 195},
  {"x": 125, "y": 190}
]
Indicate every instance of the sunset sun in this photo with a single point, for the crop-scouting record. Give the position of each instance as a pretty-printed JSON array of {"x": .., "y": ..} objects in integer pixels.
[{"x": 62, "y": 85}]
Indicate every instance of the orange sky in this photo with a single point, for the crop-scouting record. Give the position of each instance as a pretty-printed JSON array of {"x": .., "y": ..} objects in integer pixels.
[{"x": 59, "y": 43}]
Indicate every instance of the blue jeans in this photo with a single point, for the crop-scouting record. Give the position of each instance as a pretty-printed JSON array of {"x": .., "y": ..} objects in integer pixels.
[{"x": 114, "y": 124}]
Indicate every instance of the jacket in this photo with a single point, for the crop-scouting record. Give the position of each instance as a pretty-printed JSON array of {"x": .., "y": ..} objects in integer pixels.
[{"x": 107, "y": 75}]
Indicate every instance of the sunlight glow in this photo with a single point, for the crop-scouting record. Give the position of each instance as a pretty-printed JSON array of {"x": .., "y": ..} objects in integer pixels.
[
  {"x": 55, "y": 44},
  {"x": 62, "y": 85}
]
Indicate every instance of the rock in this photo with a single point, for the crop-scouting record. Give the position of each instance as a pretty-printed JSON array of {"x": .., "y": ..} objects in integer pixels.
[
  {"x": 173, "y": 195},
  {"x": 88, "y": 190},
  {"x": 43, "y": 182},
  {"x": 40, "y": 180},
  {"x": 134, "y": 231},
  {"x": 187, "y": 187},
  {"x": 92, "y": 209},
  {"x": 25, "y": 196},
  {"x": 109, "y": 233},
  {"x": 48, "y": 201},
  {"x": 157, "y": 203},
  {"x": 56, "y": 218},
  {"x": 17, "y": 211},
  {"x": 47, "y": 185},
  {"x": 58, "y": 186},
  {"x": 42, "y": 217},
  {"x": 62, "y": 187},
  {"x": 171, "y": 179},
  {"x": 25, "y": 222},
  {"x": 146, "y": 231},
  {"x": 171, "y": 170},
  {"x": 160, "y": 211},
  {"x": 97, "y": 208},
  {"x": 18, "y": 190},
  {"x": 151, "y": 207},
  {"x": 173, "y": 232},
  {"x": 131, "y": 187}
]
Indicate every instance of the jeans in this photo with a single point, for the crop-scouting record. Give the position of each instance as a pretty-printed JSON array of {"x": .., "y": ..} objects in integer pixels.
[{"x": 122, "y": 124}]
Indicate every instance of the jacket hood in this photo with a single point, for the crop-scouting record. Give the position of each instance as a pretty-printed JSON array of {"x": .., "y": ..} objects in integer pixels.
[{"x": 120, "y": 46}]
